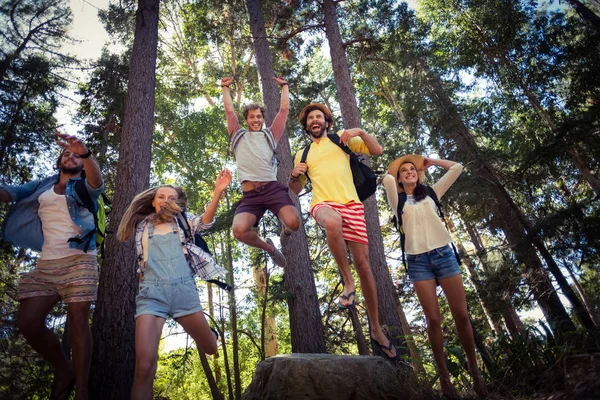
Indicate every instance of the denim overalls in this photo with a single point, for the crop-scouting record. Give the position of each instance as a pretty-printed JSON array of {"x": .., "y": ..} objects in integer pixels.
[{"x": 168, "y": 287}]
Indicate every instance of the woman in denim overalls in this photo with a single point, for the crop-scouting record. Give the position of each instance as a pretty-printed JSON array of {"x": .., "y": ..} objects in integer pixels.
[
  {"x": 431, "y": 259},
  {"x": 167, "y": 285}
]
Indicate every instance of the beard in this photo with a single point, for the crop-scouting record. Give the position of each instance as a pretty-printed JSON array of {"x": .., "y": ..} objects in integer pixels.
[
  {"x": 318, "y": 133},
  {"x": 71, "y": 170}
]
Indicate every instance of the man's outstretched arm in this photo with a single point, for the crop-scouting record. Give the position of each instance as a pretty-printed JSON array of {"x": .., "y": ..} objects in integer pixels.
[
  {"x": 232, "y": 120},
  {"x": 278, "y": 125}
]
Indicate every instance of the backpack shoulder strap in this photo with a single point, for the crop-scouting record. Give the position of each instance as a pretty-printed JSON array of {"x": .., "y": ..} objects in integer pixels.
[
  {"x": 304, "y": 156},
  {"x": 401, "y": 202},
  {"x": 435, "y": 199},
  {"x": 185, "y": 225},
  {"x": 84, "y": 196},
  {"x": 270, "y": 138},
  {"x": 336, "y": 139}
]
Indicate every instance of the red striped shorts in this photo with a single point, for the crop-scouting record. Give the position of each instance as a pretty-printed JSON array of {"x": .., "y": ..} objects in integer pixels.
[{"x": 354, "y": 226}]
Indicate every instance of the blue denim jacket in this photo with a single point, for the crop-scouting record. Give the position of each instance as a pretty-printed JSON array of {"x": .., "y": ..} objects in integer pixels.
[{"x": 22, "y": 226}]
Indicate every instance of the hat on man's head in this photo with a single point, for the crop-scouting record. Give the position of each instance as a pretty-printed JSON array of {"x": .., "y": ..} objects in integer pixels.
[
  {"x": 315, "y": 106},
  {"x": 417, "y": 160}
]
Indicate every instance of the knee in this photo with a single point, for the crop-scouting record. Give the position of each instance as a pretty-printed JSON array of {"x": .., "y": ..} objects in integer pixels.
[
  {"x": 210, "y": 347},
  {"x": 333, "y": 227},
  {"x": 30, "y": 325},
  {"x": 78, "y": 316},
  {"x": 434, "y": 321},
  {"x": 294, "y": 224},
  {"x": 361, "y": 263},
  {"x": 462, "y": 319},
  {"x": 238, "y": 231},
  {"x": 145, "y": 368}
]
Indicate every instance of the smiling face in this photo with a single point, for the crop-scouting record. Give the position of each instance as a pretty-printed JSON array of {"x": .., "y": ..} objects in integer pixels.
[
  {"x": 408, "y": 174},
  {"x": 316, "y": 124},
  {"x": 163, "y": 195},
  {"x": 70, "y": 163},
  {"x": 255, "y": 120}
]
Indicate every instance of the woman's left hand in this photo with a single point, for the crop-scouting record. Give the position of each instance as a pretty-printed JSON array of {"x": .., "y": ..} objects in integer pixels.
[
  {"x": 427, "y": 162},
  {"x": 223, "y": 180}
]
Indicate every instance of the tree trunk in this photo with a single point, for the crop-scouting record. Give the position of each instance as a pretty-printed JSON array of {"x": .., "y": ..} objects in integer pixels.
[
  {"x": 585, "y": 13},
  {"x": 113, "y": 326},
  {"x": 508, "y": 216},
  {"x": 233, "y": 320},
  {"x": 211, "y": 312},
  {"x": 305, "y": 317},
  {"x": 412, "y": 348},
  {"x": 212, "y": 384},
  {"x": 386, "y": 299},
  {"x": 588, "y": 305},
  {"x": 268, "y": 329}
]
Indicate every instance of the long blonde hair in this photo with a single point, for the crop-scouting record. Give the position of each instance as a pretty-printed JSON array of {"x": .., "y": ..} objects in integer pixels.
[{"x": 141, "y": 207}]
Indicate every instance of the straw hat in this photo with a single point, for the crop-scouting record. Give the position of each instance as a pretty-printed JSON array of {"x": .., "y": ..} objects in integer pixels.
[
  {"x": 313, "y": 106},
  {"x": 418, "y": 162}
]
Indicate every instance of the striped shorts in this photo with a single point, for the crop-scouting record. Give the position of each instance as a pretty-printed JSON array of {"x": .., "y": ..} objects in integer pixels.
[
  {"x": 73, "y": 278},
  {"x": 354, "y": 226}
]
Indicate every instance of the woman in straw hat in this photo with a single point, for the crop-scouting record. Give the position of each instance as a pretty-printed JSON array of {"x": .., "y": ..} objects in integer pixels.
[{"x": 430, "y": 257}]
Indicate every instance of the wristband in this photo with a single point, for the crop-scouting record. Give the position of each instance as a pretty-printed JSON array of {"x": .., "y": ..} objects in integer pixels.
[
  {"x": 284, "y": 84},
  {"x": 86, "y": 155},
  {"x": 294, "y": 178}
]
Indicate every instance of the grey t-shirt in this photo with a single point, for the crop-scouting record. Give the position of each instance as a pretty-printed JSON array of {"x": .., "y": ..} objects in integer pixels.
[{"x": 254, "y": 157}]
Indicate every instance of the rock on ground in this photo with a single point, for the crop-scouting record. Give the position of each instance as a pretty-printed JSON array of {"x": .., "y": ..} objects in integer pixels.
[{"x": 331, "y": 377}]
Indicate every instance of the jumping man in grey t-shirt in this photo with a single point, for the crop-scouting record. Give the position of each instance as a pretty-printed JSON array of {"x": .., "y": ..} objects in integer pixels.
[{"x": 254, "y": 152}]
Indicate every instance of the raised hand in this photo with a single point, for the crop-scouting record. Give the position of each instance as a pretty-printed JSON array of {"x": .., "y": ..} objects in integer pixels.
[
  {"x": 280, "y": 81},
  {"x": 226, "y": 81},
  {"x": 71, "y": 143},
  {"x": 223, "y": 180}
]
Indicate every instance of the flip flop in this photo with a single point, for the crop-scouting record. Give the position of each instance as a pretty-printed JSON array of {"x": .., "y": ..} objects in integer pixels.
[
  {"x": 347, "y": 297},
  {"x": 66, "y": 392},
  {"x": 387, "y": 348}
]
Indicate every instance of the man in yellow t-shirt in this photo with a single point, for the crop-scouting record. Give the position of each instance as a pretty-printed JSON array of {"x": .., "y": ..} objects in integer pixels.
[{"x": 336, "y": 207}]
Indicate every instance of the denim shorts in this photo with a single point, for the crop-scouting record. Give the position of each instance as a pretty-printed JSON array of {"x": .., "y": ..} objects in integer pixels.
[
  {"x": 176, "y": 298},
  {"x": 438, "y": 263}
]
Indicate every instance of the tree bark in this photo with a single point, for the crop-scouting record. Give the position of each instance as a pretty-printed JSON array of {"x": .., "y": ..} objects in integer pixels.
[
  {"x": 305, "y": 317},
  {"x": 212, "y": 384},
  {"x": 386, "y": 299},
  {"x": 113, "y": 325}
]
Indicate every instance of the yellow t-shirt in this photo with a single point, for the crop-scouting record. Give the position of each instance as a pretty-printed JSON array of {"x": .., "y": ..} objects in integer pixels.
[{"x": 329, "y": 170}]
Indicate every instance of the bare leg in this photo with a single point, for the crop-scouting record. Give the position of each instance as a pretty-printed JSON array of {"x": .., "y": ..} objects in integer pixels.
[
  {"x": 331, "y": 221},
  {"x": 242, "y": 231},
  {"x": 455, "y": 294},
  {"x": 289, "y": 217},
  {"x": 428, "y": 299},
  {"x": 31, "y": 322},
  {"x": 147, "y": 336},
  {"x": 360, "y": 254},
  {"x": 78, "y": 315},
  {"x": 196, "y": 326}
]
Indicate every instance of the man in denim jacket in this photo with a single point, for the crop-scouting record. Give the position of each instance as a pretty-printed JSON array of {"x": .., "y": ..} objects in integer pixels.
[{"x": 49, "y": 217}]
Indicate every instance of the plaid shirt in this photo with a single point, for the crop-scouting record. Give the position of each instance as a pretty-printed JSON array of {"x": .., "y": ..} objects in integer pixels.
[{"x": 201, "y": 263}]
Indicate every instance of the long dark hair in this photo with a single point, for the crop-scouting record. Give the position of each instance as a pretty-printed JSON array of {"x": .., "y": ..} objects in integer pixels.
[{"x": 420, "y": 191}]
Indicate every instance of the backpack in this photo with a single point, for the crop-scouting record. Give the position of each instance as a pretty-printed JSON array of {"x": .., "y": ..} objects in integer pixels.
[
  {"x": 365, "y": 180},
  {"x": 99, "y": 216},
  {"x": 398, "y": 221},
  {"x": 199, "y": 241}
]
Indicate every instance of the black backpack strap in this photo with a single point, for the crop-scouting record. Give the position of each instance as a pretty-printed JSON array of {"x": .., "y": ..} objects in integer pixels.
[
  {"x": 336, "y": 139},
  {"x": 220, "y": 284},
  {"x": 303, "y": 158},
  {"x": 184, "y": 224},
  {"x": 85, "y": 201},
  {"x": 401, "y": 202}
]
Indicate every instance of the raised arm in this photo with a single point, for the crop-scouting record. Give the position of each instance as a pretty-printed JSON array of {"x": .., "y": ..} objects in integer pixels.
[
  {"x": 232, "y": 119},
  {"x": 278, "y": 125},
  {"x": 454, "y": 170},
  {"x": 91, "y": 167},
  {"x": 223, "y": 180},
  {"x": 372, "y": 144}
]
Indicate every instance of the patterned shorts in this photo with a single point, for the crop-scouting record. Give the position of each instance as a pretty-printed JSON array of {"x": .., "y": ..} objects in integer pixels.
[
  {"x": 354, "y": 226},
  {"x": 73, "y": 278}
]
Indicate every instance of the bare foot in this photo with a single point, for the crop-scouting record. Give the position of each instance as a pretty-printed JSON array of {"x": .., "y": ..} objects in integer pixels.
[{"x": 447, "y": 388}]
